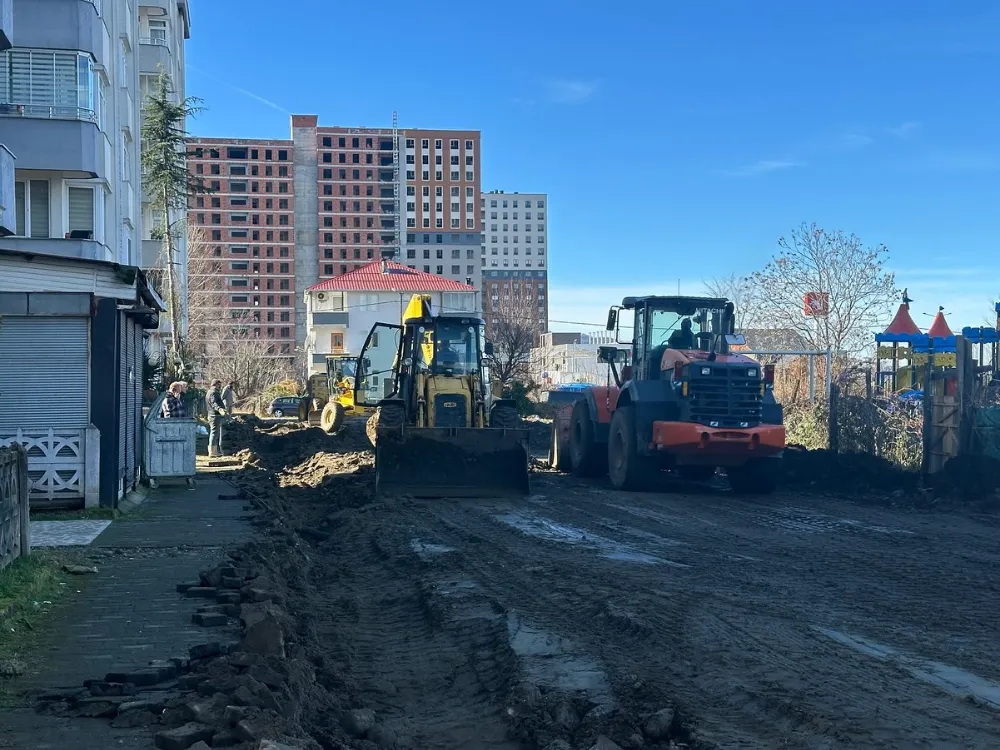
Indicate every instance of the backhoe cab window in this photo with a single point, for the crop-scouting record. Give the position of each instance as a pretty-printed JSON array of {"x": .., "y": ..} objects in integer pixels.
[
  {"x": 454, "y": 349},
  {"x": 676, "y": 331}
]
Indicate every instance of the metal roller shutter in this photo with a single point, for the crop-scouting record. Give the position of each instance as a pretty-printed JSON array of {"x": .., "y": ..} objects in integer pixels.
[{"x": 44, "y": 372}]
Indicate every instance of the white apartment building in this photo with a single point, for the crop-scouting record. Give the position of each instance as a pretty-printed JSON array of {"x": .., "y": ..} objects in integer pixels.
[
  {"x": 515, "y": 234},
  {"x": 164, "y": 28},
  {"x": 69, "y": 113},
  {"x": 341, "y": 311}
]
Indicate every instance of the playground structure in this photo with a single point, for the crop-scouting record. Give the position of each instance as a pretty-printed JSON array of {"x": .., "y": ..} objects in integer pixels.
[{"x": 907, "y": 356}]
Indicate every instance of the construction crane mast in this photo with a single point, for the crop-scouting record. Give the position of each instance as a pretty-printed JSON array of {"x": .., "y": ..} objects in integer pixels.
[{"x": 397, "y": 218}]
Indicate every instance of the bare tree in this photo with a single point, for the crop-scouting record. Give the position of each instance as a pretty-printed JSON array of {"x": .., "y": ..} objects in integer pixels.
[
  {"x": 860, "y": 290},
  {"x": 739, "y": 290},
  {"x": 514, "y": 327},
  {"x": 225, "y": 339}
]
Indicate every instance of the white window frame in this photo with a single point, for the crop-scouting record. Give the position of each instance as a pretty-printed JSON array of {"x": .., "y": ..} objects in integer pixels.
[
  {"x": 98, "y": 206},
  {"x": 158, "y": 25}
]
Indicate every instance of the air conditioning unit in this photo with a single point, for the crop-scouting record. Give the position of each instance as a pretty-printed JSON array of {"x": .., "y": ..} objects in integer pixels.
[{"x": 321, "y": 296}]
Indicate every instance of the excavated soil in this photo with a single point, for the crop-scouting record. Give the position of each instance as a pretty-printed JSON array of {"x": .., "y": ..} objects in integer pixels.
[{"x": 580, "y": 616}]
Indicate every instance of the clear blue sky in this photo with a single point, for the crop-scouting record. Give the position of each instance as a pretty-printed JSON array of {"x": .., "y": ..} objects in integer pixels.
[{"x": 676, "y": 140}]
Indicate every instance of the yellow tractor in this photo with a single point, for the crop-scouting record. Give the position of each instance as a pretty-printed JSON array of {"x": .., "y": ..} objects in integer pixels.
[
  {"x": 437, "y": 428},
  {"x": 330, "y": 395}
]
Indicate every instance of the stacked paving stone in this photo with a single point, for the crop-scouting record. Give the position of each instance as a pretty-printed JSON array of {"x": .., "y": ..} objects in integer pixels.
[{"x": 219, "y": 695}]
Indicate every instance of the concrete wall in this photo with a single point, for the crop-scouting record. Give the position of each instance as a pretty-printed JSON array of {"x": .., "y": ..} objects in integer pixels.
[
  {"x": 305, "y": 189},
  {"x": 65, "y": 24}
]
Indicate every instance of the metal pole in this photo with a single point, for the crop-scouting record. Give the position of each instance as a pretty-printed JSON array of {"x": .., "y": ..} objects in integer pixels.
[
  {"x": 812, "y": 379},
  {"x": 928, "y": 405},
  {"x": 829, "y": 369}
]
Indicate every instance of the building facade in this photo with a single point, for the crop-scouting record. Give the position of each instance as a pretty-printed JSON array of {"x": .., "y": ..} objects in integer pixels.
[
  {"x": 354, "y": 196},
  {"x": 69, "y": 113},
  {"x": 514, "y": 255},
  {"x": 164, "y": 28},
  {"x": 242, "y": 233},
  {"x": 341, "y": 310}
]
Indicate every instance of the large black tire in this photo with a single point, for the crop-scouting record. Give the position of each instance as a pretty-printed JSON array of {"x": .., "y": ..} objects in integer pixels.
[
  {"x": 588, "y": 458},
  {"x": 278, "y": 413},
  {"x": 385, "y": 416},
  {"x": 559, "y": 458},
  {"x": 332, "y": 418},
  {"x": 696, "y": 473},
  {"x": 505, "y": 416},
  {"x": 756, "y": 477},
  {"x": 627, "y": 469}
]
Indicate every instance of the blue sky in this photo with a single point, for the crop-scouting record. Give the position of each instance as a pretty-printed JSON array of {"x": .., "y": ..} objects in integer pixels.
[{"x": 677, "y": 140}]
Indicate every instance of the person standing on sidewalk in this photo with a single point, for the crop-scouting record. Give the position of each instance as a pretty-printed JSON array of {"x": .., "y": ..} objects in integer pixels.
[
  {"x": 229, "y": 398},
  {"x": 173, "y": 405},
  {"x": 216, "y": 414}
]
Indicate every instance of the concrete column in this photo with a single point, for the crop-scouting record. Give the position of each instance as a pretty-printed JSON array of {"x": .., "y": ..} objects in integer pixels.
[
  {"x": 305, "y": 188},
  {"x": 92, "y": 467}
]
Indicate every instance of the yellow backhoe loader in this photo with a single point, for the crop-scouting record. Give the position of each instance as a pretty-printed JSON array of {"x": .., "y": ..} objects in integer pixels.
[
  {"x": 437, "y": 429},
  {"x": 330, "y": 395}
]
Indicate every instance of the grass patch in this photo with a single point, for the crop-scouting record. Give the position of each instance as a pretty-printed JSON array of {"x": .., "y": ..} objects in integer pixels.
[
  {"x": 87, "y": 514},
  {"x": 30, "y": 589}
]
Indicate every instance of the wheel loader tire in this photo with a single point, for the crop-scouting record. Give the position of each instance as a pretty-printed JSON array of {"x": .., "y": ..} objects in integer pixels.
[
  {"x": 696, "y": 473},
  {"x": 386, "y": 416},
  {"x": 332, "y": 418},
  {"x": 627, "y": 469},
  {"x": 757, "y": 477},
  {"x": 558, "y": 457},
  {"x": 588, "y": 458},
  {"x": 505, "y": 417}
]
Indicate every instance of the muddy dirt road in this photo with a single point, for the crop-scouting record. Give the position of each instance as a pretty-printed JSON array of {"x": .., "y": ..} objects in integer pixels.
[{"x": 579, "y": 612}]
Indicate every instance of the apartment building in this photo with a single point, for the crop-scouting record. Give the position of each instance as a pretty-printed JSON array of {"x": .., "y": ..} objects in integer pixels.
[
  {"x": 514, "y": 254},
  {"x": 69, "y": 112},
  {"x": 164, "y": 28},
  {"x": 76, "y": 308},
  {"x": 246, "y": 226},
  {"x": 357, "y": 195}
]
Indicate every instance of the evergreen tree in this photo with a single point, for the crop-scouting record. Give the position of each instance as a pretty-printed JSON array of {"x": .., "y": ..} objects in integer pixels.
[{"x": 168, "y": 186}]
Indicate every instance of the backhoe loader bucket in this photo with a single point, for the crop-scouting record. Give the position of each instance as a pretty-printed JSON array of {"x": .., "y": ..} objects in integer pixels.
[{"x": 451, "y": 462}]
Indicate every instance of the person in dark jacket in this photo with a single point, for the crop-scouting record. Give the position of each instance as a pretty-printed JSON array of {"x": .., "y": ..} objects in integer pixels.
[
  {"x": 173, "y": 405},
  {"x": 216, "y": 415}
]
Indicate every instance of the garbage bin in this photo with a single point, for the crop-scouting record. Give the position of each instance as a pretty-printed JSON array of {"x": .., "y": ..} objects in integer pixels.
[{"x": 168, "y": 446}]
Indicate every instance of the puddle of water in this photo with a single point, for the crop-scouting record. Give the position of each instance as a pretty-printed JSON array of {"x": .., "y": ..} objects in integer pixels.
[
  {"x": 944, "y": 676},
  {"x": 426, "y": 551},
  {"x": 543, "y": 528},
  {"x": 554, "y": 662}
]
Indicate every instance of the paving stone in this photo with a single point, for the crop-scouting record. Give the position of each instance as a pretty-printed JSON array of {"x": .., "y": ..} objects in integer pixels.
[
  {"x": 209, "y": 619},
  {"x": 205, "y": 650}
]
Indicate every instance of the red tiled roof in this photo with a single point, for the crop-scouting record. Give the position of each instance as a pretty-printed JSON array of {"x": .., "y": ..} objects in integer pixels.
[
  {"x": 903, "y": 323},
  {"x": 939, "y": 328},
  {"x": 396, "y": 278}
]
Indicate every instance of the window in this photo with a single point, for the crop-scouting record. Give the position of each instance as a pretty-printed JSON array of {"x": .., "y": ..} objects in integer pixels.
[
  {"x": 158, "y": 31},
  {"x": 32, "y": 208},
  {"x": 49, "y": 84}
]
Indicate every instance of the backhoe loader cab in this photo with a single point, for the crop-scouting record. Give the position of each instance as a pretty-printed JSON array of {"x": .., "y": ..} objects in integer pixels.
[
  {"x": 330, "y": 395},
  {"x": 686, "y": 402},
  {"x": 437, "y": 429}
]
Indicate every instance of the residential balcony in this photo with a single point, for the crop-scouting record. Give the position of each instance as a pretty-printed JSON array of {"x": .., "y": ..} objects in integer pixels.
[
  {"x": 74, "y": 147},
  {"x": 64, "y": 25},
  {"x": 6, "y": 24},
  {"x": 7, "y": 201},
  {"x": 66, "y": 248},
  {"x": 154, "y": 52}
]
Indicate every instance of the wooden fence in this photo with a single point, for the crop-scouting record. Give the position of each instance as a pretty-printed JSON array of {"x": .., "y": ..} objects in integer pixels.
[{"x": 15, "y": 528}]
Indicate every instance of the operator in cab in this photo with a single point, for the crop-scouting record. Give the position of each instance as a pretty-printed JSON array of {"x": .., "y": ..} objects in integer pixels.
[{"x": 682, "y": 338}]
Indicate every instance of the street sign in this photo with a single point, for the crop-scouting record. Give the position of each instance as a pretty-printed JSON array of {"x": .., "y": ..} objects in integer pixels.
[{"x": 816, "y": 304}]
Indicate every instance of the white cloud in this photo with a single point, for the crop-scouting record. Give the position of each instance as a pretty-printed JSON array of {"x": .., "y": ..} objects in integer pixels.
[
  {"x": 762, "y": 167},
  {"x": 905, "y": 130},
  {"x": 234, "y": 87},
  {"x": 856, "y": 139},
  {"x": 572, "y": 91}
]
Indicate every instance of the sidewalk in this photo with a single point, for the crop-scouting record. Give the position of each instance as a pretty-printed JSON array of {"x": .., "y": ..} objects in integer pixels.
[{"x": 130, "y": 612}]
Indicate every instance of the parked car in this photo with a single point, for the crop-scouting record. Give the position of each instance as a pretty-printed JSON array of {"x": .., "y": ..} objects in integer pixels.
[{"x": 285, "y": 406}]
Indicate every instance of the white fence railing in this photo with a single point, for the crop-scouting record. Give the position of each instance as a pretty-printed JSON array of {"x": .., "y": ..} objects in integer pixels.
[{"x": 63, "y": 464}]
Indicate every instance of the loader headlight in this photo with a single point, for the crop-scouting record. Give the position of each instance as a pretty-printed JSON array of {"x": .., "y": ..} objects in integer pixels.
[
  {"x": 706, "y": 370},
  {"x": 407, "y": 361},
  {"x": 752, "y": 372}
]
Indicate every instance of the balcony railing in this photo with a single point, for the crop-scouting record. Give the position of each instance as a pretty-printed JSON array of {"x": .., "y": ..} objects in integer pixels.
[
  {"x": 154, "y": 41},
  {"x": 47, "y": 112}
]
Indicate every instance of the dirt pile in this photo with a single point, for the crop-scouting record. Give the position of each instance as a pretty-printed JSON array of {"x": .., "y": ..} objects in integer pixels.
[
  {"x": 844, "y": 472},
  {"x": 974, "y": 479}
]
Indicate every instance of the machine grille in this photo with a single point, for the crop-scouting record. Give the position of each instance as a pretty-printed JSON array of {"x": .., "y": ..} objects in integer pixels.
[
  {"x": 449, "y": 410},
  {"x": 724, "y": 396}
]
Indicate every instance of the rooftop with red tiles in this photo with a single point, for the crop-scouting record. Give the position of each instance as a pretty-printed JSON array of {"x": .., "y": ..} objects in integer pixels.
[{"x": 389, "y": 276}]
